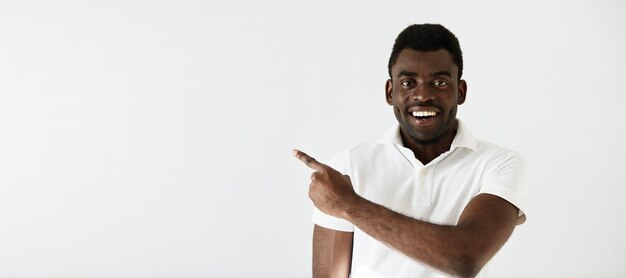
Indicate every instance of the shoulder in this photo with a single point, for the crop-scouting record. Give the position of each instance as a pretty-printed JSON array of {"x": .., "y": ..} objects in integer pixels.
[{"x": 505, "y": 175}]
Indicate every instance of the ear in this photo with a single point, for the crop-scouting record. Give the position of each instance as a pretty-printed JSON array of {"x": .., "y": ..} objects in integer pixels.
[
  {"x": 462, "y": 91},
  {"x": 389, "y": 92}
]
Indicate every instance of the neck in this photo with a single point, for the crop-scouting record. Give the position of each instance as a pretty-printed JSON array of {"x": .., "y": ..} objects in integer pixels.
[{"x": 425, "y": 152}]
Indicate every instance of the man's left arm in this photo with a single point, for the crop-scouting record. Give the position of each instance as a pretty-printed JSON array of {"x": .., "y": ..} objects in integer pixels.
[{"x": 461, "y": 250}]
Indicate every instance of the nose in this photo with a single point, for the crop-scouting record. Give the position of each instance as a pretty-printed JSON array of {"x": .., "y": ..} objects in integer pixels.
[{"x": 423, "y": 94}]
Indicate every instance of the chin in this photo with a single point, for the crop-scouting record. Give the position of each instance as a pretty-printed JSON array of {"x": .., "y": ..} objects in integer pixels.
[
  {"x": 421, "y": 137},
  {"x": 426, "y": 140}
]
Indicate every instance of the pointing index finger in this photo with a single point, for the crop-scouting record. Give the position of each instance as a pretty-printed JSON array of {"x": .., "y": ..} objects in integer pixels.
[{"x": 308, "y": 160}]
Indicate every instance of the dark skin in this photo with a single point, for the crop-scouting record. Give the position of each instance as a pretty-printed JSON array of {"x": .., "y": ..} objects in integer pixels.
[
  {"x": 332, "y": 252},
  {"x": 426, "y": 82}
]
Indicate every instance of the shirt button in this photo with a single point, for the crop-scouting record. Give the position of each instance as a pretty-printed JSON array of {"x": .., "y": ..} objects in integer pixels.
[{"x": 423, "y": 172}]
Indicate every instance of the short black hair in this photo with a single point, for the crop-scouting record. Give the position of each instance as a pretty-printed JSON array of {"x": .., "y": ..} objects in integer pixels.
[{"x": 427, "y": 37}]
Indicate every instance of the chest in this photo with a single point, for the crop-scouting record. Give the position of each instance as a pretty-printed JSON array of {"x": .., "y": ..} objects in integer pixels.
[{"x": 436, "y": 192}]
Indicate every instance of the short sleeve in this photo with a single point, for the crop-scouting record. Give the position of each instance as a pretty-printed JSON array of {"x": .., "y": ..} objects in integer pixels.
[
  {"x": 507, "y": 178},
  {"x": 340, "y": 163}
]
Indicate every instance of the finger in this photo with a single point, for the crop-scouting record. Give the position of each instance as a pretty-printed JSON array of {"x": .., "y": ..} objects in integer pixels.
[
  {"x": 347, "y": 178},
  {"x": 308, "y": 160}
]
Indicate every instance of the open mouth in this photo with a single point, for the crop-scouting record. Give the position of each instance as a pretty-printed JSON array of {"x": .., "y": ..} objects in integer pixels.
[{"x": 424, "y": 117}]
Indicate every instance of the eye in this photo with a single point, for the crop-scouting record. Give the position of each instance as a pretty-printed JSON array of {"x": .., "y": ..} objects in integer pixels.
[
  {"x": 440, "y": 83},
  {"x": 406, "y": 83}
]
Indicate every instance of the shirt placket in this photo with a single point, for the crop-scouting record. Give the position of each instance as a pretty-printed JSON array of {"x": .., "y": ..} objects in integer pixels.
[{"x": 422, "y": 186}]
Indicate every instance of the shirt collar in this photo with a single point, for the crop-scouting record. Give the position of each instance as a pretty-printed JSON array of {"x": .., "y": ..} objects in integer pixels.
[{"x": 463, "y": 138}]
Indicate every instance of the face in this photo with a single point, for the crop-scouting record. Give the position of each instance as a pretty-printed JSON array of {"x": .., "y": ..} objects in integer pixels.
[{"x": 425, "y": 91}]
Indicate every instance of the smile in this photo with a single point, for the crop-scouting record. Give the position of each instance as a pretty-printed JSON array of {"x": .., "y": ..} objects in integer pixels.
[
  {"x": 425, "y": 118},
  {"x": 424, "y": 114}
]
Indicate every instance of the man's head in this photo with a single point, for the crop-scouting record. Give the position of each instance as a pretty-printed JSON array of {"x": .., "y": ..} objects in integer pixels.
[
  {"x": 425, "y": 38},
  {"x": 425, "y": 85}
]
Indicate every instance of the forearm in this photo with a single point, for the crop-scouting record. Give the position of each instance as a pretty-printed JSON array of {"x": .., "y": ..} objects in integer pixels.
[{"x": 443, "y": 247}]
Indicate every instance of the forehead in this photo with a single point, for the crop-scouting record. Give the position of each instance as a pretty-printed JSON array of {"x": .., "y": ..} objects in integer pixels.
[{"x": 421, "y": 62}]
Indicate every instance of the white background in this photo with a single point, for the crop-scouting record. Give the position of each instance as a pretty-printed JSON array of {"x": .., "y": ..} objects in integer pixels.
[{"x": 153, "y": 138}]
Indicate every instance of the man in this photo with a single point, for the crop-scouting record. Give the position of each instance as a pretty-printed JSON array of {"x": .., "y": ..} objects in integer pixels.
[{"x": 426, "y": 199}]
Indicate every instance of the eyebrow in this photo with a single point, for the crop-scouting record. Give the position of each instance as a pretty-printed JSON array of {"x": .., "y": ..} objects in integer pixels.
[
  {"x": 414, "y": 74},
  {"x": 407, "y": 74},
  {"x": 443, "y": 72}
]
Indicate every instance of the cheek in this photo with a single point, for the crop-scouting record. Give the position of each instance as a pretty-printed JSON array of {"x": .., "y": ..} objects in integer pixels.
[
  {"x": 396, "y": 112},
  {"x": 453, "y": 112}
]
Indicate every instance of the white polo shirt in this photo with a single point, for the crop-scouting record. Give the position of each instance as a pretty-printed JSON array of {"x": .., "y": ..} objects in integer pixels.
[{"x": 385, "y": 172}]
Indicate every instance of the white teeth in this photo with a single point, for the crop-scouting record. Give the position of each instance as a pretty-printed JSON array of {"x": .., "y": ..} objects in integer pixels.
[{"x": 424, "y": 113}]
